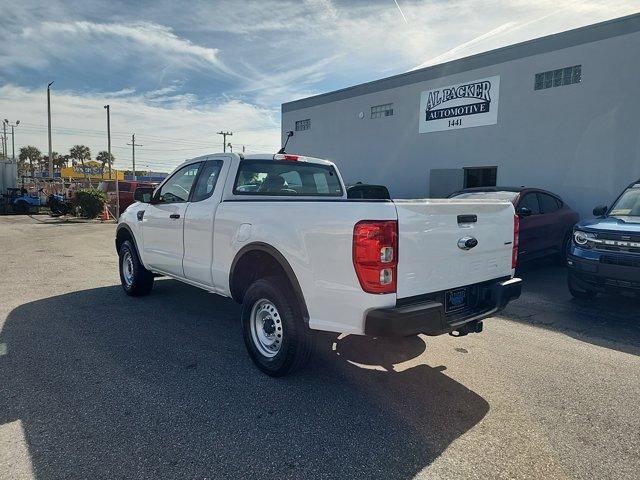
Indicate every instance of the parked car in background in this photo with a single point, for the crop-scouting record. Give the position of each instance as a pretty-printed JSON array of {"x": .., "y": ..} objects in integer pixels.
[
  {"x": 279, "y": 234},
  {"x": 546, "y": 221},
  {"x": 365, "y": 191},
  {"x": 605, "y": 253},
  {"x": 126, "y": 191}
]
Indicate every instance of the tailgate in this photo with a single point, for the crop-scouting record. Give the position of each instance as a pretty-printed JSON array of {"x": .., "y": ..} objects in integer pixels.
[{"x": 429, "y": 258}]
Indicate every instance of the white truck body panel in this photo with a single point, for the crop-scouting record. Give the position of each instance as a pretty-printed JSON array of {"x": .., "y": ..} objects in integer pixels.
[
  {"x": 429, "y": 257},
  {"x": 317, "y": 245}
]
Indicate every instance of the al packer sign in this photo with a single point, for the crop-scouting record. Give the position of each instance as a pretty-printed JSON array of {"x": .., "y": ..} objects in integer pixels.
[{"x": 469, "y": 104}]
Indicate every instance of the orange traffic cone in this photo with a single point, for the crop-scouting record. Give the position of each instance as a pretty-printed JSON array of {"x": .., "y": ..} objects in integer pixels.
[{"x": 104, "y": 216}]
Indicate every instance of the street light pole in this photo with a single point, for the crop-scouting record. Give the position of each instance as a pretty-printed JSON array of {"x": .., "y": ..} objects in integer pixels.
[
  {"x": 49, "y": 125},
  {"x": 109, "y": 137},
  {"x": 109, "y": 152}
]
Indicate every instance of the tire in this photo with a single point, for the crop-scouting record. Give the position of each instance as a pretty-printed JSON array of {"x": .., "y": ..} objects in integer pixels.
[
  {"x": 564, "y": 252},
  {"x": 136, "y": 280},
  {"x": 21, "y": 208},
  {"x": 276, "y": 337},
  {"x": 577, "y": 292}
]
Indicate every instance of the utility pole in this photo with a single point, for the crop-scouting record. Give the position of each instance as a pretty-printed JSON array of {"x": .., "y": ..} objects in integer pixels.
[
  {"x": 224, "y": 139},
  {"x": 49, "y": 125},
  {"x": 109, "y": 152},
  {"x": 4, "y": 140},
  {"x": 133, "y": 154},
  {"x": 13, "y": 136}
]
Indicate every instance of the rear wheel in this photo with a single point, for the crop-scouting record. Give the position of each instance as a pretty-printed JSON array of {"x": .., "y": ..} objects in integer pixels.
[
  {"x": 136, "y": 280},
  {"x": 276, "y": 337},
  {"x": 578, "y": 292}
]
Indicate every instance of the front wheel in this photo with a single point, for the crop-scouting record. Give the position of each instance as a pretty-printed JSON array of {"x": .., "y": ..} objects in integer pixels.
[
  {"x": 565, "y": 249},
  {"x": 276, "y": 337},
  {"x": 136, "y": 280},
  {"x": 577, "y": 292}
]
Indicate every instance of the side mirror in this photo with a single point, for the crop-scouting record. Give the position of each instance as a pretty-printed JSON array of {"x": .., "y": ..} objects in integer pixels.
[
  {"x": 600, "y": 211},
  {"x": 143, "y": 194},
  {"x": 523, "y": 212}
]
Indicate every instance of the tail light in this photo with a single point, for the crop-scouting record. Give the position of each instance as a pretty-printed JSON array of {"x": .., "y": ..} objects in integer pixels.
[
  {"x": 516, "y": 241},
  {"x": 375, "y": 255}
]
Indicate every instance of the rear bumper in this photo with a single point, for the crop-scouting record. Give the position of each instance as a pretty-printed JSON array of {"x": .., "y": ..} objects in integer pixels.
[{"x": 429, "y": 317}]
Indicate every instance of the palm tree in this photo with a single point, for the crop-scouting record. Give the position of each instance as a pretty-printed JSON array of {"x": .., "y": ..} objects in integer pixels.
[
  {"x": 31, "y": 154},
  {"x": 61, "y": 161},
  {"x": 44, "y": 162},
  {"x": 81, "y": 153},
  {"x": 104, "y": 158}
]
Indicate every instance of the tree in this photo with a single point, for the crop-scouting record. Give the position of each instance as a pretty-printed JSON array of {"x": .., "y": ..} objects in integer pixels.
[
  {"x": 44, "y": 162},
  {"x": 61, "y": 161},
  {"x": 30, "y": 154},
  {"x": 104, "y": 158},
  {"x": 80, "y": 153}
]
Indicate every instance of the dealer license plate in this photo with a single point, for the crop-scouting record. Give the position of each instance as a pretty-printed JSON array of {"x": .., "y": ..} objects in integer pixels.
[{"x": 455, "y": 299}]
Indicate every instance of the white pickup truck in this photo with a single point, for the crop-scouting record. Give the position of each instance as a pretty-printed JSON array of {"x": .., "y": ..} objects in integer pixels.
[{"x": 279, "y": 234}]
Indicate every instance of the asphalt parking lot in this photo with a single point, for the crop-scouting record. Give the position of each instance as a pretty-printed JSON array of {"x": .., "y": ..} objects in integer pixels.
[{"x": 94, "y": 384}]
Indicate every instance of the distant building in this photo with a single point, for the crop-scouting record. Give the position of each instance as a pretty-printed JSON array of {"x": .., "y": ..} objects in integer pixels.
[{"x": 560, "y": 112}]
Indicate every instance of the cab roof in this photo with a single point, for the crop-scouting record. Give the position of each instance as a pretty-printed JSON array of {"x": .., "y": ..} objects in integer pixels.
[{"x": 280, "y": 156}]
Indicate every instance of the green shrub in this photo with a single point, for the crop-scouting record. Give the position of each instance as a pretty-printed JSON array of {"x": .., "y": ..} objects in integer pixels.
[{"x": 89, "y": 202}]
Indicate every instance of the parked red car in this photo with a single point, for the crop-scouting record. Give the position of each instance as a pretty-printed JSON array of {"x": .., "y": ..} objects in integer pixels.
[
  {"x": 126, "y": 191},
  {"x": 546, "y": 221}
]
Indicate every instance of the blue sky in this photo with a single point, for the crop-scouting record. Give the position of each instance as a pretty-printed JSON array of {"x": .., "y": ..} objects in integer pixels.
[{"x": 175, "y": 73}]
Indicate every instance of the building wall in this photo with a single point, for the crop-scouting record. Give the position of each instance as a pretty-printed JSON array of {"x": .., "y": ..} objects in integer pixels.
[{"x": 581, "y": 141}]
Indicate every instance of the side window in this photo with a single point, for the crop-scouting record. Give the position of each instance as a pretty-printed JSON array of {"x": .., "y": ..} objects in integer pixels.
[
  {"x": 178, "y": 187},
  {"x": 548, "y": 204},
  {"x": 207, "y": 180},
  {"x": 530, "y": 201}
]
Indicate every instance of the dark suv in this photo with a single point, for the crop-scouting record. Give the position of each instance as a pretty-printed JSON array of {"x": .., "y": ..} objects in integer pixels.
[{"x": 605, "y": 252}]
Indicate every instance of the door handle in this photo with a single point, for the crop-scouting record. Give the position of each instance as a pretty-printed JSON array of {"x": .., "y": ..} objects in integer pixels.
[{"x": 174, "y": 215}]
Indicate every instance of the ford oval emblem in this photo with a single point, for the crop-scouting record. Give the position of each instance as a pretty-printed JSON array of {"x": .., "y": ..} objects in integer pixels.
[{"x": 467, "y": 243}]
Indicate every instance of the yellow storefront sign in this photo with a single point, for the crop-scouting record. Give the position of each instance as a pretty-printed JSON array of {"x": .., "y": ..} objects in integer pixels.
[{"x": 92, "y": 171}]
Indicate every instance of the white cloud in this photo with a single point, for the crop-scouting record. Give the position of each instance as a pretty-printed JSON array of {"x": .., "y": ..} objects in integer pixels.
[
  {"x": 169, "y": 132},
  {"x": 48, "y": 42}
]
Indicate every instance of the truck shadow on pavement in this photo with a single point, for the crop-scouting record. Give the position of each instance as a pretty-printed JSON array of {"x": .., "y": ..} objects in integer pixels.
[
  {"x": 609, "y": 321},
  {"x": 109, "y": 386}
]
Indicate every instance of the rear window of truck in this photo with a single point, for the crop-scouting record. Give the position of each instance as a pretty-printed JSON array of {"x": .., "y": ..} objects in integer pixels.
[{"x": 286, "y": 178}]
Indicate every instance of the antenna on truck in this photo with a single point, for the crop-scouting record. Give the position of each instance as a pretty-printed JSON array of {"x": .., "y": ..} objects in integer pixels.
[{"x": 289, "y": 135}]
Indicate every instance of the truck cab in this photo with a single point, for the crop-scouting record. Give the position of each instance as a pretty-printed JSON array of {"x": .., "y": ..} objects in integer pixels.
[{"x": 604, "y": 256}]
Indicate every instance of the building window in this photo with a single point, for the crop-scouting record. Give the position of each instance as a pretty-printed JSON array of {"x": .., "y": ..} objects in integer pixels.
[
  {"x": 303, "y": 125},
  {"x": 558, "y": 78},
  {"x": 380, "y": 111},
  {"x": 480, "y": 177}
]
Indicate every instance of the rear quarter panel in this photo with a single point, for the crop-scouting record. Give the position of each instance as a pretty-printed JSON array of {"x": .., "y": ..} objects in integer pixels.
[{"x": 316, "y": 239}]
